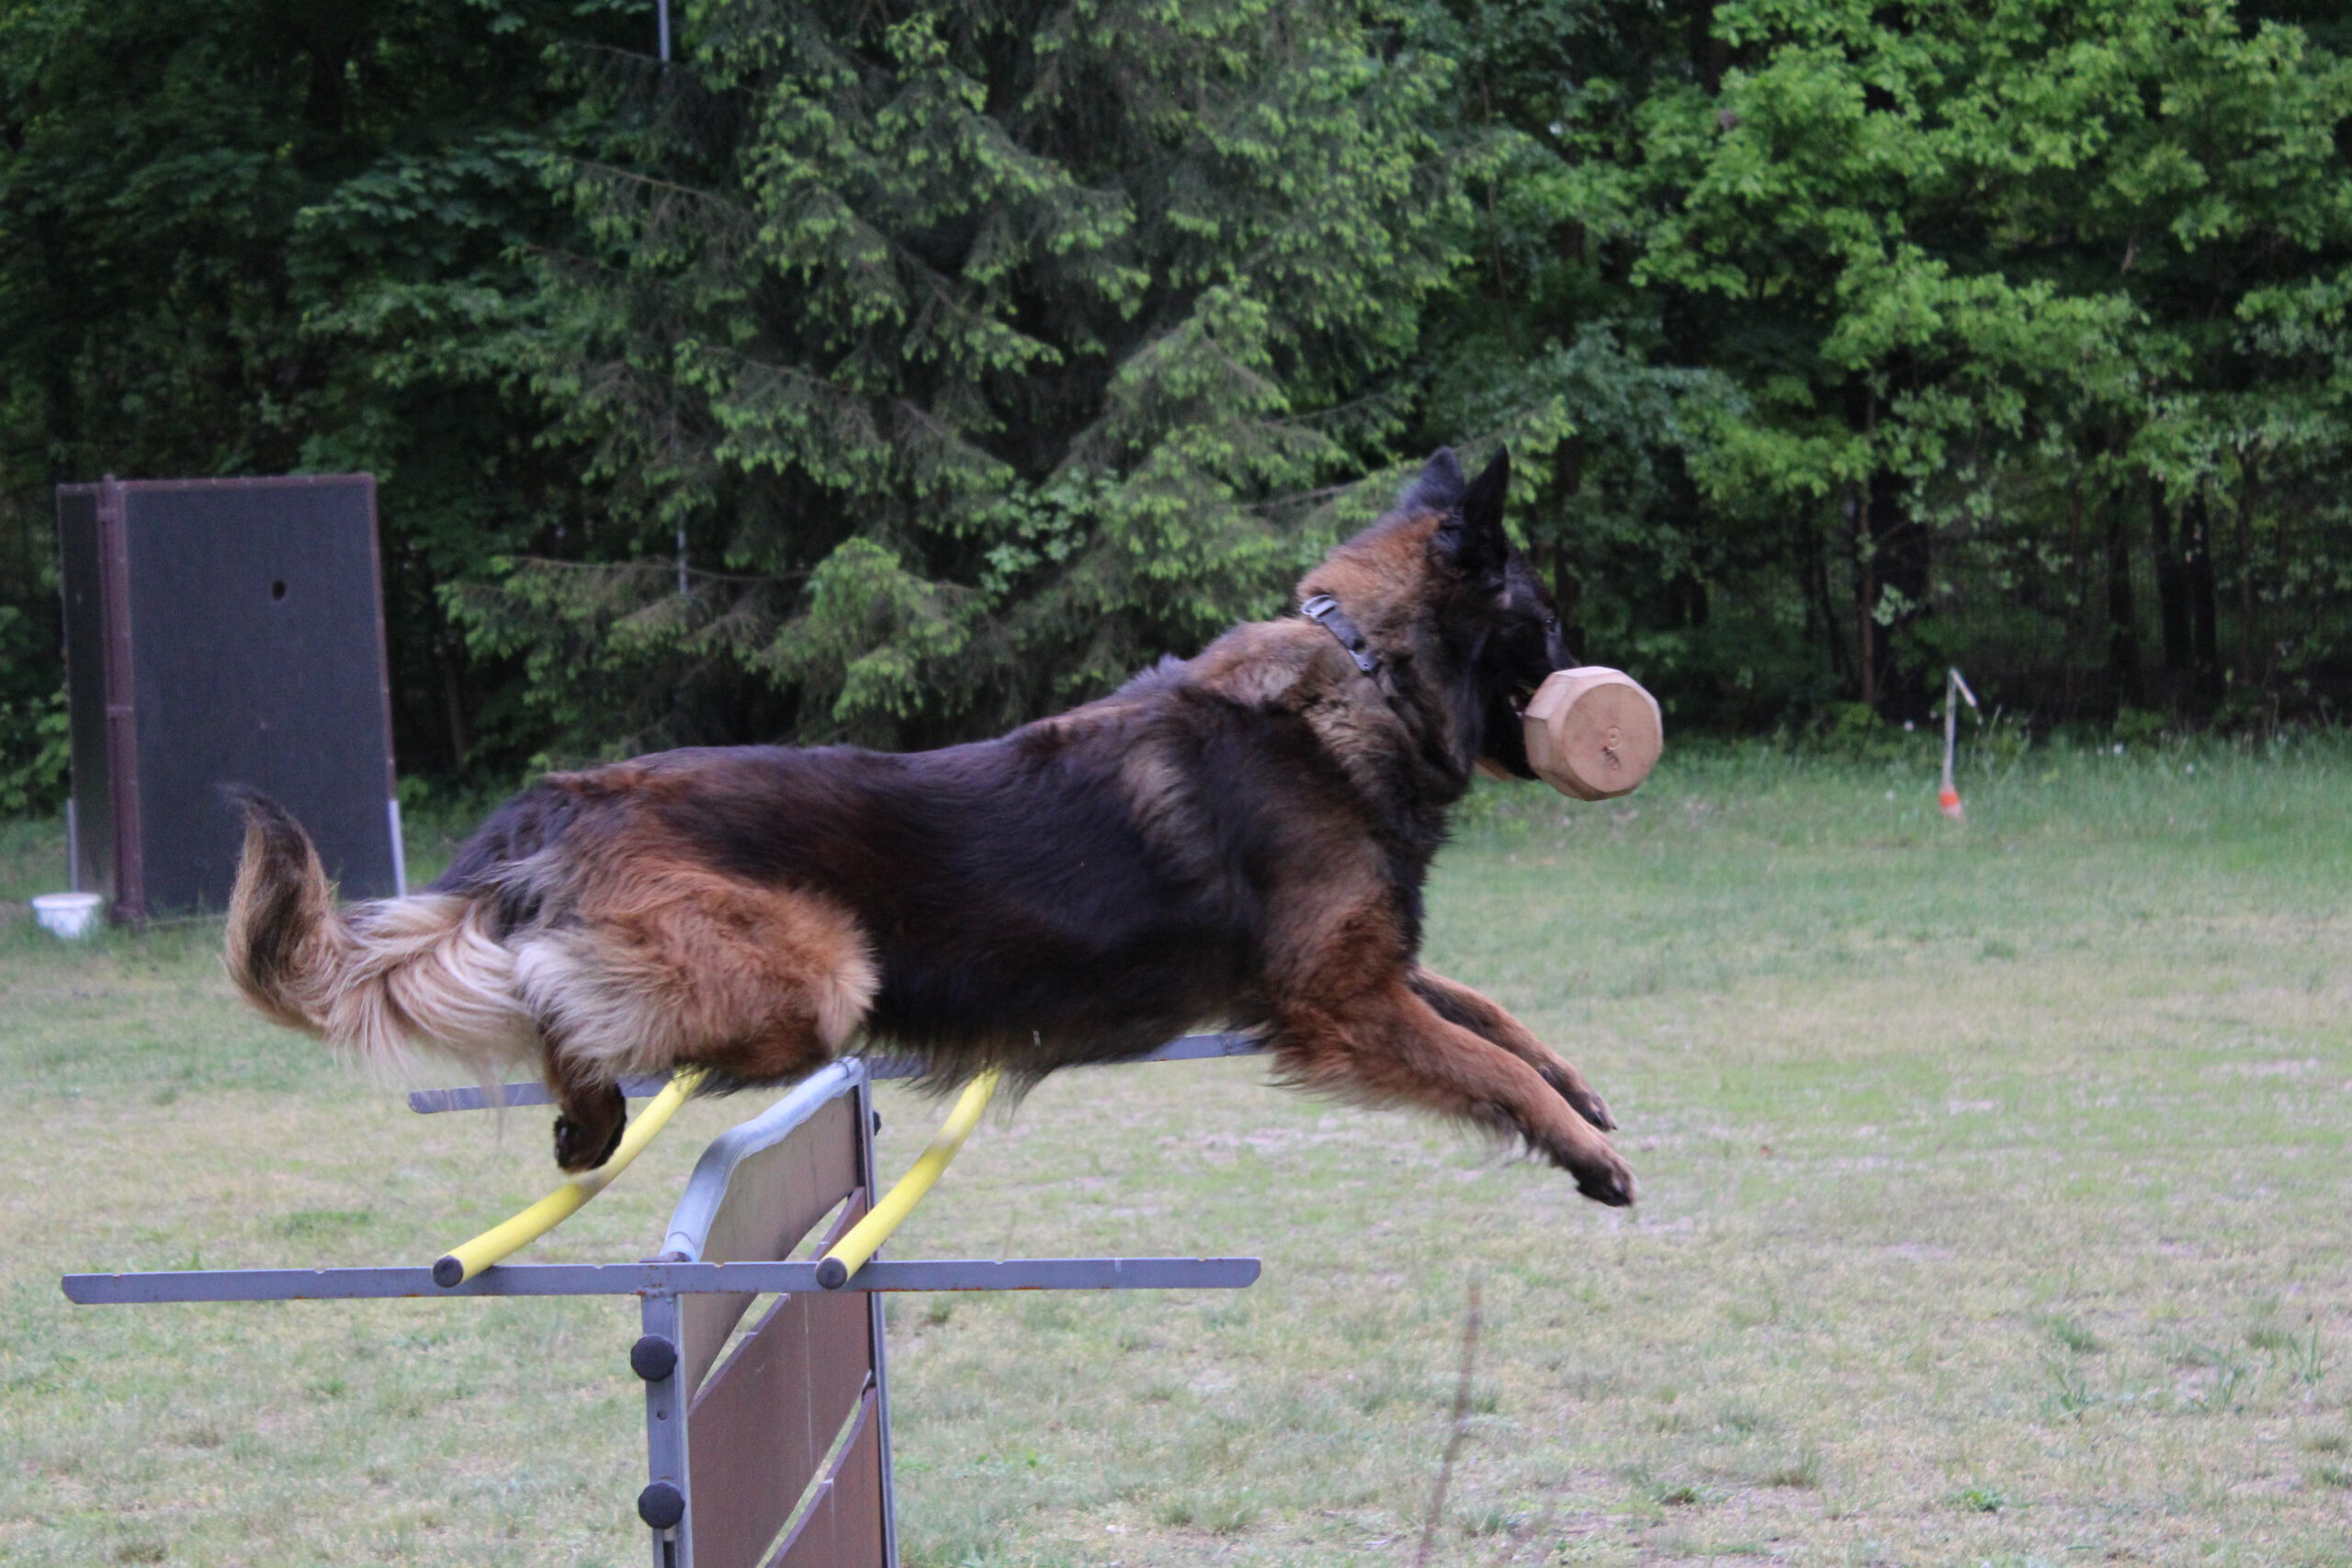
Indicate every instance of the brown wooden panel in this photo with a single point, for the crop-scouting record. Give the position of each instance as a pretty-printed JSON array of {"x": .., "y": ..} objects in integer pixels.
[
  {"x": 773, "y": 1198},
  {"x": 82, "y": 567},
  {"x": 759, "y": 1429},
  {"x": 844, "y": 1530},
  {"x": 856, "y": 1495}
]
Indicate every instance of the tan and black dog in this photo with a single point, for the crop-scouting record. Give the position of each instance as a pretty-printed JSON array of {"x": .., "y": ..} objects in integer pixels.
[{"x": 1239, "y": 837}]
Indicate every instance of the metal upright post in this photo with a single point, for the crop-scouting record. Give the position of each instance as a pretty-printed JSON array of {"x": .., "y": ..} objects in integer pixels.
[
  {"x": 869, "y": 1121},
  {"x": 663, "y": 1504}
]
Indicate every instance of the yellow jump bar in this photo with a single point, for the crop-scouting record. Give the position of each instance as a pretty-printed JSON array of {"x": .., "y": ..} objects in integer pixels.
[
  {"x": 464, "y": 1262},
  {"x": 849, "y": 1254}
]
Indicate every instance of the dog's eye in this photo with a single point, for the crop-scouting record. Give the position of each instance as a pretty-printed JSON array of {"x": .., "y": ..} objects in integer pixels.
[{"x": 1550, "y": 623}]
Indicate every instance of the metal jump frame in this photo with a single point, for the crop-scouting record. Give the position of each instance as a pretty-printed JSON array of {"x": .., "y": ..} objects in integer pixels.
[{"x": 770, "y": 1448}]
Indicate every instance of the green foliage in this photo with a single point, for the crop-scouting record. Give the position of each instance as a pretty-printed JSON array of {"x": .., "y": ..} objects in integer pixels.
[
  {"x": 246, "y": 237},
  {"x": 33, "y": 741},
  {"x": 2003, "y": 290},
  {"x": 969, "y": 353},
  {"x": 895, "y": 372}
]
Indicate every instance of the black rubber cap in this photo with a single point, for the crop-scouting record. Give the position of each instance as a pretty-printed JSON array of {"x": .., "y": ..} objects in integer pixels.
[
  {"x": 833, "y": 1273},
  {"x": 653, "y": 1358},
  {"x": 662, "y": 1505},
  {"x": 449, "y": 1271}
]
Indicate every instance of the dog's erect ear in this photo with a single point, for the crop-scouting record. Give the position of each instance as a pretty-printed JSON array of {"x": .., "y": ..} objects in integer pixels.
[
  {"x": 1475, "y": 540},
  {"x": 1439, "y": 486},
  {"x": 1482, "y": 504}
]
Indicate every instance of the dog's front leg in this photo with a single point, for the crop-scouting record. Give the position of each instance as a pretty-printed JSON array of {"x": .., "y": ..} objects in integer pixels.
[
  {"x": 1382, "y": 1044},
  {"x": 1457, "y": 1003}
]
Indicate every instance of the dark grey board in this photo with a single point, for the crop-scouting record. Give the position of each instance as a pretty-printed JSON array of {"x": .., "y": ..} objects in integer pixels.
[{"x": 240, "y": 636}]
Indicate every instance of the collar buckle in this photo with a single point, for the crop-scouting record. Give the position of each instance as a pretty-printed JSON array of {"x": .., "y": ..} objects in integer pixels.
[{"x": 1325, "y": 612}]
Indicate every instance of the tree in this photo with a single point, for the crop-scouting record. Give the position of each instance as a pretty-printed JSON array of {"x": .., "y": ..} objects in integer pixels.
[
  {"x": 1545, "y": 333},
  {"x": 895, "y": 372},
  {"x": 970, "y": 352},
  {"x": 1976, "y": 270},
  {"x": 262, "y": 237}
]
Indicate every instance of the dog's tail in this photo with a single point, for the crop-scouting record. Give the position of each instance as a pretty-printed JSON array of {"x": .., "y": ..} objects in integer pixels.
[{"x": 379, "y": 980}]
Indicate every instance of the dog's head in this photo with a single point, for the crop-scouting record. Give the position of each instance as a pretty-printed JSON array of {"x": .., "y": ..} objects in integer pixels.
[{"x": 1436, "y": 586}]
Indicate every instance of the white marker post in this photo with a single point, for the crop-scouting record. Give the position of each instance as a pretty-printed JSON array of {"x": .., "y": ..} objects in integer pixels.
[{"x": 1948, "y": 798}]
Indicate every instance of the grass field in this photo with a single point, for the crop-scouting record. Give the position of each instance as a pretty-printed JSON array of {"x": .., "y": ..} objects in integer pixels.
[{"x": 1996, "y": 1210}]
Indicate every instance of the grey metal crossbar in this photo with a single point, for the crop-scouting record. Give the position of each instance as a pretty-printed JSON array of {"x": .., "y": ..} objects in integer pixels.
[
  {"x": 643, "y": 1085},
  {"x": 660, "y": 1278},
  {"x": 768, "y": 1448}
]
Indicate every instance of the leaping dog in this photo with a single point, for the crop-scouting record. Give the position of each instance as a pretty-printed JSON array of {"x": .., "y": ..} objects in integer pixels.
[{"x": 1240, "y": 838}]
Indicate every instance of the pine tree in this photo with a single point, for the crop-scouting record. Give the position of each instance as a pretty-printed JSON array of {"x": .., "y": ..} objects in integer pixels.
[{"x": 977, "y": 355}]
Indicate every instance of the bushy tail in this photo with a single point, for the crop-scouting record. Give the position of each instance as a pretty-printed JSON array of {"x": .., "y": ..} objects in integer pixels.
[{"x": 379, "y": 979}]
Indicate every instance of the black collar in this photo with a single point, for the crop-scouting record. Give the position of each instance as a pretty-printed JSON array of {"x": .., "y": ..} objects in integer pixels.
[{"x": 1325, "y": 612}]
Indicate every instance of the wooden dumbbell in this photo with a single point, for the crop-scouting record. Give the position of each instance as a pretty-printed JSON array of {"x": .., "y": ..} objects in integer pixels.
[{"x": 1592, "y": 733}]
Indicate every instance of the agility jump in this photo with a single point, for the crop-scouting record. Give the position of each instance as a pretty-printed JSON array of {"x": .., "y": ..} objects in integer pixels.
[
  {"x": 501, "y": 1241},
  {"x": 847, "y": 1256},
  {"x": 770, "y": 1448}
]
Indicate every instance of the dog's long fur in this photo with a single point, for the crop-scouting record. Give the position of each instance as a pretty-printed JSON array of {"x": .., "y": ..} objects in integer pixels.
[{"x": 1240, "y": 838}]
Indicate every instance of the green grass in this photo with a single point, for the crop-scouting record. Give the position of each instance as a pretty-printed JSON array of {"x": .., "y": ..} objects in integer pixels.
[{"x": 1993, "y": 1198}]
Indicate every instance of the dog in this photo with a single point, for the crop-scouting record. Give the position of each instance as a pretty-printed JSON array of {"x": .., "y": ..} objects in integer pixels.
[{"x": 1240, "y": 838}]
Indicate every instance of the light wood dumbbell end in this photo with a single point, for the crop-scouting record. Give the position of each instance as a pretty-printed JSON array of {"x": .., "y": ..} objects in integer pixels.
[{"x": 1593, "y": 733}]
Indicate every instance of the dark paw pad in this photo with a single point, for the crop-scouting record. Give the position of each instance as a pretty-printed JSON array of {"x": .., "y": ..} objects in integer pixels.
[
  {"x": 1601, "y": 1174},
  {"x": 1613, "y": 1186},
  {"x": 584, "y": 1144}
]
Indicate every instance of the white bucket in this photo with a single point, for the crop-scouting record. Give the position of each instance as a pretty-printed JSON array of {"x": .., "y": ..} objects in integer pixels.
[{"x": 71, "y": 915}]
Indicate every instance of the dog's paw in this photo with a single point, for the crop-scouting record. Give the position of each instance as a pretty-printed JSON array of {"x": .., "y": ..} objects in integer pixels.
[
  {"x": 1601, "y": 1175},
  {"x": 1609, "y": 1181},
  {"x": 584, "y": 1144},
  {"x": 1572, "y": 1146},
  {"x": 579, "y": 1149},
  {"x": 1581, "y": 1098}
]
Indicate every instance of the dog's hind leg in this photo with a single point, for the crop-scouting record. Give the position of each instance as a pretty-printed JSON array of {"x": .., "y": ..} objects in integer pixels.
[
  {"x": 592, "y": 1114},
  {"x": 1457, "y": 1003},
  {"x": 671, "y": 966}
]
